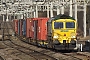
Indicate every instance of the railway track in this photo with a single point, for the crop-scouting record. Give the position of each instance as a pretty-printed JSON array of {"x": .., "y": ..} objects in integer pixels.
[
  {"x": 48, "y": 52},
  {"x": 37, "y": 53},
  {"x": 58, "y": 55},
  {"x": 69, "y": 56},
  {"x": 1, "y": 58},
  {"x": 80, "y": 55}
]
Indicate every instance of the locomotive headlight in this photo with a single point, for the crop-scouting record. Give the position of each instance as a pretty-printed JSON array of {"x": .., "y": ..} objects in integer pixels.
[
  {"x": 56, "y": 36},
  {"x": 73, "y": 36}
]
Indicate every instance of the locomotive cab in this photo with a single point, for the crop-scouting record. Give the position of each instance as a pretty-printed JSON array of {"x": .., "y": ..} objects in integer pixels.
[{"x": 64, "y": 31}]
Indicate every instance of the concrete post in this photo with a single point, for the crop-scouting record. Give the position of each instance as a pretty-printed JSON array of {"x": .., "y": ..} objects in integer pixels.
[
  {"x": 76, "y": 10},
  {"x": 51, "y": 10},
  {"x": 71, "y": 8},
  {"x": 84, "y": 19},
  {"x": 47, "y": 10}
]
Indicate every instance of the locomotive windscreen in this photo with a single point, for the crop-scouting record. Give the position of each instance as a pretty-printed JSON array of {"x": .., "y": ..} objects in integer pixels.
[
  {"x": 58, "y": 25},
  {"x": 70, "y": 25}
]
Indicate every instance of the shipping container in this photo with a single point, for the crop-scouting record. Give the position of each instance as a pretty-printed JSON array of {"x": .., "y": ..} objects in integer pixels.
[
  {"x": 15, "y": 21},
  {"x": 21, "y": 27},
  {"x": 28, "y": 27},
  {"x": 18, "y": 27},
  {"x": 42, "y": 29},
  {"x": 20, "y": 22},
  {"x": 34, "y": 28},
  {"x": 35, "y": 25},
  {"x": 24, "y": 27}
]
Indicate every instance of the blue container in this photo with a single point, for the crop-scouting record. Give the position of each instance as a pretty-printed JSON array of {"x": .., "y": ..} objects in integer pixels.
[
  {"x": 18, "y": 27},
  {"x": 24, "y": 28}
]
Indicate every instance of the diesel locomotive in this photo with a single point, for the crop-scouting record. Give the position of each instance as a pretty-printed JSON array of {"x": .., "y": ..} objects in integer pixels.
[{"x": 62, "y": 32}]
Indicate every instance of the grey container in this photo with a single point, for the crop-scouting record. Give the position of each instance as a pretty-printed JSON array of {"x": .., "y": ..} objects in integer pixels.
[
  {"x": 24, "y": 28},
  {"x": 18, "y": 27}
]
